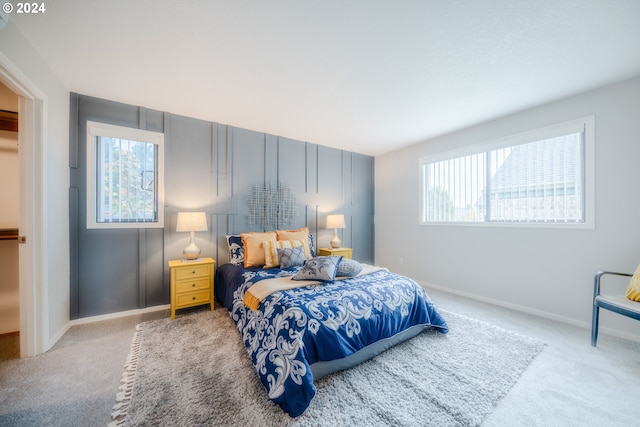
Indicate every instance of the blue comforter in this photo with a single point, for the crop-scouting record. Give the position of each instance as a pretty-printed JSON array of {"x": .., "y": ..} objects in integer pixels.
[{"x": 295, "y": 328}]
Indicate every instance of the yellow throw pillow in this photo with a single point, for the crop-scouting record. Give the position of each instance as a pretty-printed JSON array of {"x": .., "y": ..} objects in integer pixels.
[
  {"x": 253, "y": 248},
  {"x": 271, "y": 258},
  {"x": 633, "y": 290},
  {"x": 299, "y": 234}
]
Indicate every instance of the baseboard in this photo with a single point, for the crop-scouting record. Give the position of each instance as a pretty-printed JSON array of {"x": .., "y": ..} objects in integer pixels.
[
  {"x": 92, "y": 319},
  {"x": 84, "y": 320},
  {"x": 529, "y": 310},
  {"x": 54, "y": 339}
]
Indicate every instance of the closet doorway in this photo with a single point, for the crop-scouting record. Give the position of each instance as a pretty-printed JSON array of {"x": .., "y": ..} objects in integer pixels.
[
  {"x": 9, "y": 220},
  {"x": 33, "y": 289}
]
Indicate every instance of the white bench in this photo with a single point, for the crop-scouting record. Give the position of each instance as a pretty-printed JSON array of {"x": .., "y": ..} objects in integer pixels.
[{"x": 616, "y": 303}]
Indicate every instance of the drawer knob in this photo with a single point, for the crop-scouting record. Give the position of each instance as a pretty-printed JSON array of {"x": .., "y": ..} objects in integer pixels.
[
  {"x": 193, "y": 284},
  {"x": 193, "y": 298},
  {"x": 193, "y": 272}
]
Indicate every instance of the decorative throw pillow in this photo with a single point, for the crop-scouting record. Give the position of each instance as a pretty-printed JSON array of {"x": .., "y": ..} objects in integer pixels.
[
  {"x": 312, "y": 245},
  {"x": 253, "y": 250},
  {"x": 633, "y": 290},
  {"x": 299, "y": 234},
  {"x": 323, "y": 268},
  {"x": 348, "y": 268},
  {"x": 271, "y": 258},
  {"x": 291, "y": 257},
  {"x": 236, "y": 250}
]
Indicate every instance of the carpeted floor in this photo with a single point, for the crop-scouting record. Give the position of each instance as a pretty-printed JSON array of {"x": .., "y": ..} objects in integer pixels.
[
  {"x": 568, "y": 384},
  {"x": 181, "y": 375}
]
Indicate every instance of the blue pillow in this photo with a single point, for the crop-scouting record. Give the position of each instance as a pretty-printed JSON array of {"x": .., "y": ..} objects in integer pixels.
[
  {"x": 348, "y": 268},
  {"x": 312, "y": 245},
  {"x": 291, "y": 257},
  {"x": 236, "y": 250},
  {"x": 323, "y": 268}
]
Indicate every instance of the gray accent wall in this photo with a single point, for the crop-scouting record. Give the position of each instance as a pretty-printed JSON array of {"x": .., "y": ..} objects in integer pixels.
[{"x": 209, "y": 167}]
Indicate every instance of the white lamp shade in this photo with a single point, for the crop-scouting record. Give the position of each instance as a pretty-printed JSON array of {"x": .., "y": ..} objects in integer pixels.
[
  {"x": 192, "y": 221},
  {"x": 336, "y": 221}
]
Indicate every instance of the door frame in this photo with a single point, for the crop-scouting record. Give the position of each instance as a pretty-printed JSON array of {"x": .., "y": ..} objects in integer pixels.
[{"x": 31, "y": 135}]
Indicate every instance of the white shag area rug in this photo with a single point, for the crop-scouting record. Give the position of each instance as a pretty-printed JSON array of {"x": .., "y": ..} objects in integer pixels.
[{"x": 194, "y": 370}]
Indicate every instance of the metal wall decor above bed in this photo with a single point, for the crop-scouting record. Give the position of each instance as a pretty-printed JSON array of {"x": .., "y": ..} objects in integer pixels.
[{"x": 272, "y": 206}]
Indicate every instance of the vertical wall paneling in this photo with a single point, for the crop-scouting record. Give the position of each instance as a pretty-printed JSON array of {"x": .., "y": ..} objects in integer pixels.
[
  {"x": 154, "y": 271},
  {"x": 168, "y": 246},
  {"x": 190, "y": 163},
  {"x": 351, "y": 200},
  {"x": 311, "y": 168},
  {"x": 248, "y": 164},
  {"x": 212, "y": 161},
  {"x": 168, "y": 146},
  {"x": 306, "y": 167},
  {"x": 155, "y": 120},
  {"x": 362, "y": 227},
  {"x": 330, "y": 177},
  {"x": 210, "y": 167},
  {"x": 347, "y": 179},
  {"x": 352, "y": 161},
  {"x": 218, "y": 237},
  {"x": 156, "y": 285},
  {"x": 152, "y": 241},
  {"x": 152, "y": 278},
  {"x": 142, "y": 256},
  {"x": 291, "y": 162},
  {"x": 316, "y": 227},
  {"x": 142, "y": 290},
  {"x": 73, "y": 131},
  {"x": 270, "y": 160},
  {"x": 74, "y": 252},
  {"x": 74, "y": 207},
  {"x": 229, "y": 162},
  {"x": 142, "y": 118},
  {"x": 310, "y": 185}
]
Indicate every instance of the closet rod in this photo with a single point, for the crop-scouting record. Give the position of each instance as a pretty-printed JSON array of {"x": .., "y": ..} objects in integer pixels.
[{"x": 8, "y": 234}]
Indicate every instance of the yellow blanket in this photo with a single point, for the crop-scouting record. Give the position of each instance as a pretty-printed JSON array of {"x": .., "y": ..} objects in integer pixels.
[{"x": 258, "y": 292}]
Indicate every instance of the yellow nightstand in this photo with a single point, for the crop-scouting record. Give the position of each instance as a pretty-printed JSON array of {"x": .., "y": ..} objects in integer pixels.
[
  {"x": 191, "y": 283},
  {"x": 345, "y": 252}
]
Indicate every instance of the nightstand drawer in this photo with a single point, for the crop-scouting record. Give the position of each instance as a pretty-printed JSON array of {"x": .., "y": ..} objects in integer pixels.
[
  {"x": 344, "y": 252},
  {"x": 194, "y": 298},
  {"x": 192, "y": 285},
  {"x": 183, "y": 273}
]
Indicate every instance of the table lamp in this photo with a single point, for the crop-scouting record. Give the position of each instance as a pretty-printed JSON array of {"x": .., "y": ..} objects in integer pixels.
[
  {"x": 191, "y": 222},
  {"x": 335, "y": 222}
]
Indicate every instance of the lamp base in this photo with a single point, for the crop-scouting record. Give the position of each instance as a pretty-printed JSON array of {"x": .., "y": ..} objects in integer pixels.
[
  {"x": 191, "y": 252},
  {"x": 335, "y": 242},
  {"x": 191, "y": 255}
]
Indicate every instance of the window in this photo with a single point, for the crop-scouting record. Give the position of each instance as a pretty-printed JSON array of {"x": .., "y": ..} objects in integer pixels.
[
  {"x": 124, "y": 177},
  {"x": 543, "y": 176}
]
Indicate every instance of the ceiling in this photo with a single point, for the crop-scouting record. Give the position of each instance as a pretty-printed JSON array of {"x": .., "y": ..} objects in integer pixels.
[{"x": 368, "y": 76}]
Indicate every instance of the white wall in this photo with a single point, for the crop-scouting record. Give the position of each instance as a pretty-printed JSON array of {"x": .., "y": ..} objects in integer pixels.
[
  {"x": 546, "y": 271},
  {"x": 55, "y": 177}
]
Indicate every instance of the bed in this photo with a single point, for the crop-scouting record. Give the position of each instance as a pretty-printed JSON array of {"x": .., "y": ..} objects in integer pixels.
[{"x": 298, "y": 326}]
